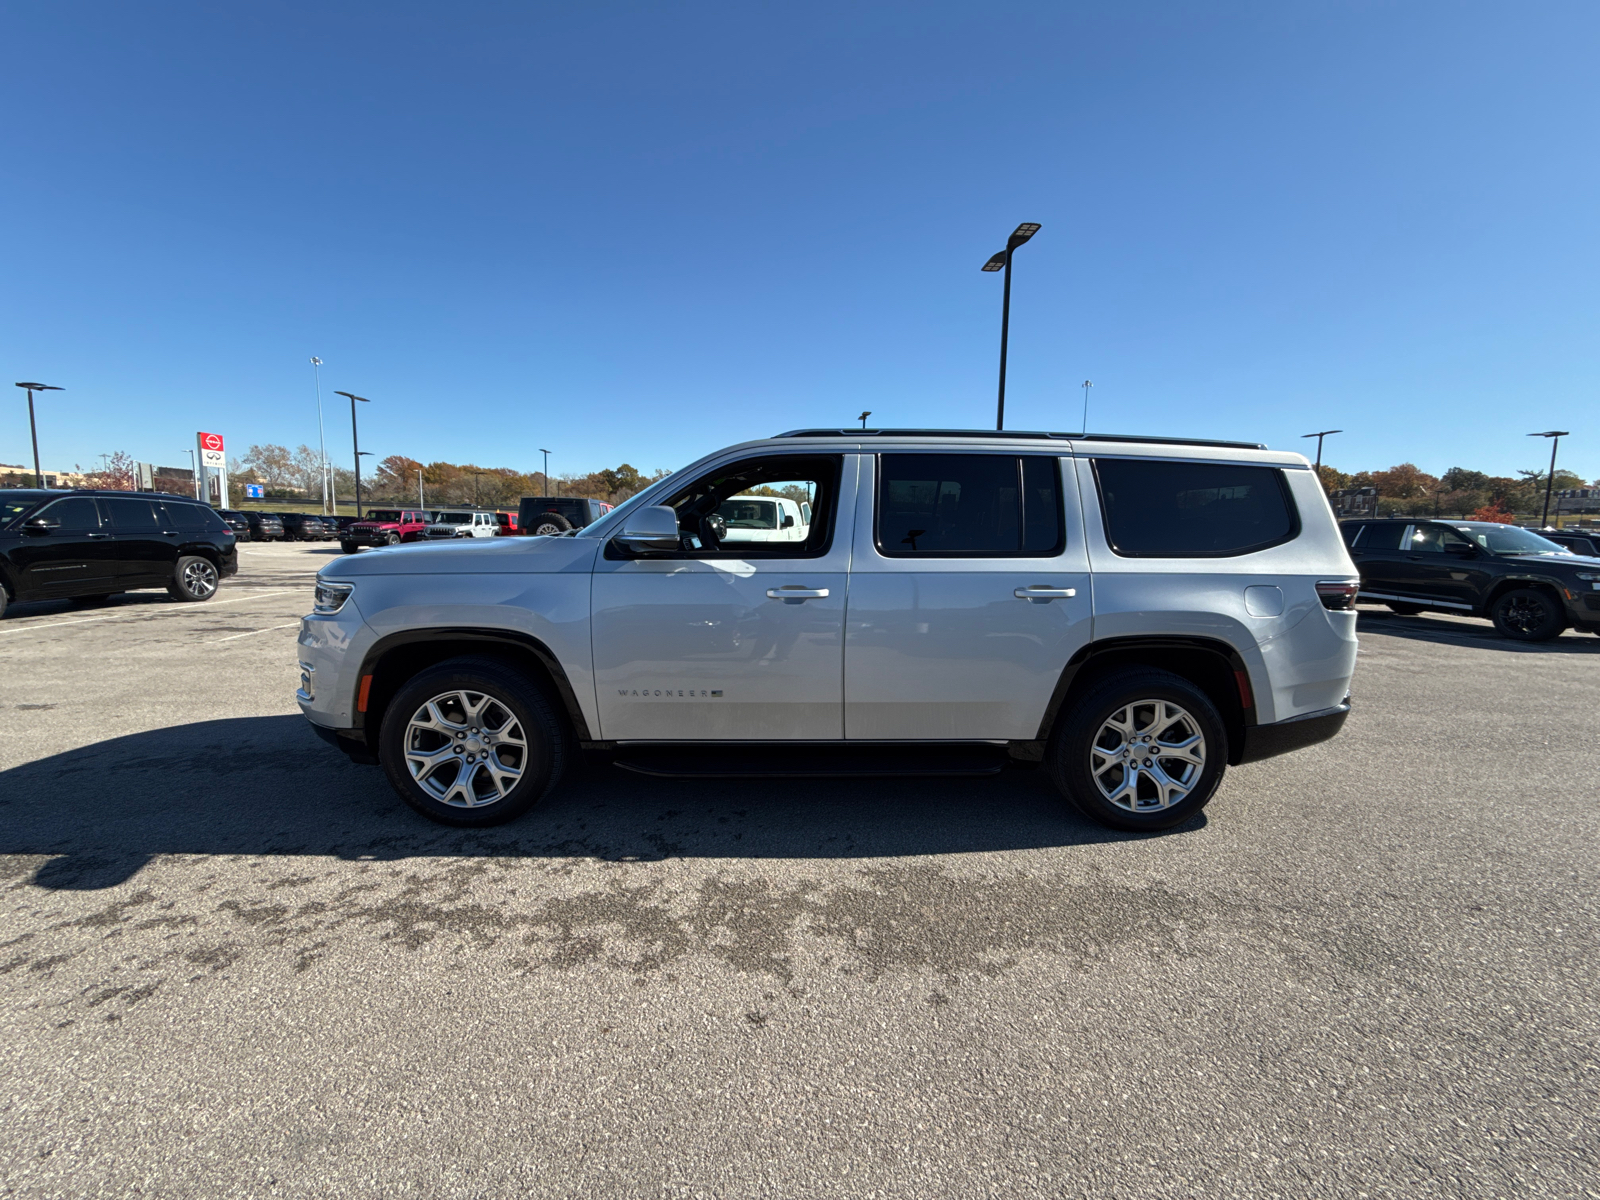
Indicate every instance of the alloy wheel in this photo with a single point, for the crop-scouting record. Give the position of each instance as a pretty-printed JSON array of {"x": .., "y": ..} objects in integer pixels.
[
  {"x": 465, "y": 749},
  {"x": 199, "y": 578},
  {"x": 1524, "y": 614},
  {"x": 1148, "y": 756}
]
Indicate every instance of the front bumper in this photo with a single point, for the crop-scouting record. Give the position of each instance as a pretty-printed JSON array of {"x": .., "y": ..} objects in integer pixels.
[{"x": 1283, "y": 737}]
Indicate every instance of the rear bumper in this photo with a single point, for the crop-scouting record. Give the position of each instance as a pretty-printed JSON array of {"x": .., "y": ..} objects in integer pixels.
[{"x": 1269, "y": 741}]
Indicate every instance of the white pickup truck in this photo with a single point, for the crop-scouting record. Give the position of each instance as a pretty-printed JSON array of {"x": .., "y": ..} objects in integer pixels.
[{"x": 764, "y": 519}]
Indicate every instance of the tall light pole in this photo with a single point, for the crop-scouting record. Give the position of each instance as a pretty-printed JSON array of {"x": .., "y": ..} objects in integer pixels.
[
  {"x": 1002, "y": 261},
  {"x": 476, "y": 475},
  {"x": 864, "y": 417},
  {"x": 322, "y": 441},
  {"x": 1086, "y": 385},
  {"x": 420, "y": 503},
  {"x": 355, "y": 442},
  {"x": 1319, "y": 436},
  {"x": 1555, "y": 436},
  {"x": 38, "y": 476},
  {"x": 547, "y": 486}
]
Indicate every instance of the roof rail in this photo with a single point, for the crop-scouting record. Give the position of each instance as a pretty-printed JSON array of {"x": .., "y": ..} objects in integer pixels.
[{"x": 1020, "y": 433}]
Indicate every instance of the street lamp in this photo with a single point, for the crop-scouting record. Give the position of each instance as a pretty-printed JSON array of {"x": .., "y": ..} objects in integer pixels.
[
  {"x": 1002, "y": 261},
  {"x": 547, "y": 486},
  {"x": 322, "y": 443},
  {"x": 1319, "y": 436},
  {"x": 864, "y": 417},
  {"x": 355, "y": 442},
  {"x": 1087, "y": 384},
  {"x": 1554, "y": 434},
  {"x": 420, "y": 504},
  {"x": 38, "y": 476}
]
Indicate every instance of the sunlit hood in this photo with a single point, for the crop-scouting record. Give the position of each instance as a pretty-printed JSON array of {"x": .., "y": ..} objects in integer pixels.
[{"x": 469, "y": 556}]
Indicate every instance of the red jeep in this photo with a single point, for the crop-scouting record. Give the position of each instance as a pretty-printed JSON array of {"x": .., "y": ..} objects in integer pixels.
[{"x": 386, "y": 527}]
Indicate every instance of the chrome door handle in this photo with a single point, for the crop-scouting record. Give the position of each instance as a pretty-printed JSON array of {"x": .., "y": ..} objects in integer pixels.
[
  {"x": 1040, "y": 591},
  {"x": 794, "y": 591}
]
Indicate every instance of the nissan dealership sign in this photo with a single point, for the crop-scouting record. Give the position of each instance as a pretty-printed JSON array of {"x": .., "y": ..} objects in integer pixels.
[{"x": 212, "y": 485}]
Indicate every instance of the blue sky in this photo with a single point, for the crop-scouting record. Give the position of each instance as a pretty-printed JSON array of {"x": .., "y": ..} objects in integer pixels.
[{"x": 638, "y": 232}]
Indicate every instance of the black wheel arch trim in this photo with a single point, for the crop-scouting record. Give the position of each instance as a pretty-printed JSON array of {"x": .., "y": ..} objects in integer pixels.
[
  {"x": 379, "y": 650},
  {"x": 1237, "y": 715}
]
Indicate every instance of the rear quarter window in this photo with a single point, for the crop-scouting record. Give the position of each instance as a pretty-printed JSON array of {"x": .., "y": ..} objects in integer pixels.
[{"x": 1159, "y": 508}]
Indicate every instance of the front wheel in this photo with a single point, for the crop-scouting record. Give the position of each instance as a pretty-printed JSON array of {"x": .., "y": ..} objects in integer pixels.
[
  {"x": 394, "y": 539},
  {"x": 348, "y": 547},
  {"x": 1143, "y": 751},
  {"x": 1528, "y": 615},
  {"x": 193, "y": 579},
  {"x": 471, "y": 742}
]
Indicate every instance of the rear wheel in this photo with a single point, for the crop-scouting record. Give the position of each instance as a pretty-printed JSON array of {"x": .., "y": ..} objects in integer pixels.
[
  {"x": 194, "y": 579},
  {"x": 1143, "y": 751},
  {"x": 472, "y": 742},
  {"x": 548, "y": 524},
  {"x": 1528, "y": 615}
]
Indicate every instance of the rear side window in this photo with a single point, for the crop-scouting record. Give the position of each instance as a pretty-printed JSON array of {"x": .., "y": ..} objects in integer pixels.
[
  {"x": 131, "y": 516},
  {"x": 194, "y": 516},
  {"x": 969, "y": 506},
  {"x": 1382, "y": 535},
  {"x": 1166, "y": 509}
]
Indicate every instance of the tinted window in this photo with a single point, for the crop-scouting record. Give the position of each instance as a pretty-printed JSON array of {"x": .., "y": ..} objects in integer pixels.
[
  {"x": 1156, "y": 509},
  {"x": 1382, "y": 535},
  {"x": 1435, "y": 539},
  {"x": 968, "y": 505},
  {"x": 191, "y": 516},
  {"x": 72, "y": 515},
  {"x": 131, "y": 516}
]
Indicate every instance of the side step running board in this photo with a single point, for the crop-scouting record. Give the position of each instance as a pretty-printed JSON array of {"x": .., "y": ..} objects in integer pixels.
[{"x": 812, "y": 761}]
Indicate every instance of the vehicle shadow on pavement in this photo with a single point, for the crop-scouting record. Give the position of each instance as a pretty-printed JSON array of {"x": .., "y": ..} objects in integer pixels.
[
  {"x": 1457, "y": 631},
  {"x": 254, "y": 786}
]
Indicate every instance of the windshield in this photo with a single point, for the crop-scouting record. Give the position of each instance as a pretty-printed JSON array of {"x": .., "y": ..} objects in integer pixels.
[
  {"x": 1509, "y": 539},
  {"x": 14, "y": 504},
  {"x": 382, "y": 514},
  {"x": 454, "y": 519}
]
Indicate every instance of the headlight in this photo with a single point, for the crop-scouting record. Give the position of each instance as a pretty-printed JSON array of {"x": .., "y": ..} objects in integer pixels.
[{"x": 330, "y": 597}]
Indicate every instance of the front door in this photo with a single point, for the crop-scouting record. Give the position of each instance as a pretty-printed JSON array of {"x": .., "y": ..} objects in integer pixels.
[
  {"x": 729, "y": 637},
  {"x": 1443, "y": 567},
  {"x": 969, "y": 591},
  {"x": 71, "y": 557}
]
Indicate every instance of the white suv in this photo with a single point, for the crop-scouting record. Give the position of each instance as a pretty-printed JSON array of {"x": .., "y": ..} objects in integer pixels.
[
  {"x": 1133, "y": 614},
  {"x": 463, "y": 524}
]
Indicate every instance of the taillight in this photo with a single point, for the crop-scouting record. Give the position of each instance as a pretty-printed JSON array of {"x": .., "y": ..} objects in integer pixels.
[{"x": 1338, "y": 594}]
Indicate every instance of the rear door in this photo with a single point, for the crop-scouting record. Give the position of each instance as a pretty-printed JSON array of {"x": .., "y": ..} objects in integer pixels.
[
  {"x": 1380, "y": 555},
  {"x": 145, "y": 546},
  {"x": 1442, "y": 567},
  {"x": 969, "y": 591}
]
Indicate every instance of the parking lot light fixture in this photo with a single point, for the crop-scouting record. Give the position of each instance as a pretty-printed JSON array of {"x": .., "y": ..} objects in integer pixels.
[
  {"x": 1002, "y": 262},
  {"x": 1319, "y": 436},
  {"x": 1555, "y": 436},
  {"x": 33, "y": 430},
  {"x": 355, "y": 441},
  {"x": 864, "y": 417},
  {"x": 547, "y": 486}
]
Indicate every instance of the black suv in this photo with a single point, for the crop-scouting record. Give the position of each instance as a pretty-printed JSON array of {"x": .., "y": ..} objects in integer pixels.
[
  {"x": 236, "y": 521},
  {"x": 557, "y": 514},
  {"x": 1579, "y": 541},
  {"x": 86, "y": 544},
  {"x": 264, "y": 526},
  {"x": 303, "y": 527},
  {"x": 1527, "y": 585}
]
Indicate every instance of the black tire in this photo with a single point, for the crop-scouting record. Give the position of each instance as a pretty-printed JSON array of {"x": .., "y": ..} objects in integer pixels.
[
  {"x": 194, "y": 579},
  {"x": 1528, "y": 615},
  {"x": 511, "y": 699},
  {"x": 1072, "y": 753},
  {"x": 5, "y": 599},
  {"x": 549, "y": 523},
  {"x": 394, "y": 539},
  {"x": 349, "y": 547},
  {"x": 1405, "y": 610}
]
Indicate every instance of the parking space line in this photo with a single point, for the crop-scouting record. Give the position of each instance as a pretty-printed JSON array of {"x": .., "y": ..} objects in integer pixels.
[
  {"x": 253, "y": 632},
  {"x": 111, "y": 616}
]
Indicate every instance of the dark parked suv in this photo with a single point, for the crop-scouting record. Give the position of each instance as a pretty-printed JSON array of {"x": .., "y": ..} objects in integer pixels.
[
  {"x": 1531, "y": 588},
  {"x": 545, "y": 515},
  {"x": 303, "y": 527},
  {"x": 237, "y": 521},
  {"x": 1579, "y": 541},
  {"x": 264, "y": 526},
  {"x": 88, "y": 545}
]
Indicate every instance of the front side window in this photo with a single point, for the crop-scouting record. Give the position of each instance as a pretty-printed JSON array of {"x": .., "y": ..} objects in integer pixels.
[
  {"x": 737, "y": 511},
  {"x": 77, "y": 515},
  {"x": 969, "y": 506},
  {"x": 1436, "y": 539},
  {"x": 1160, "y": 508}
]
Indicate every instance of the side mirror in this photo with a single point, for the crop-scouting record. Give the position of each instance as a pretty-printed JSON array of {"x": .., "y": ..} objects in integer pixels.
[
  {"x": 788, "y": 520},
  {"x": 652, "y": 528},
  {"x": 1461, "y": 551},
  {"x": 38, "y": 526}
]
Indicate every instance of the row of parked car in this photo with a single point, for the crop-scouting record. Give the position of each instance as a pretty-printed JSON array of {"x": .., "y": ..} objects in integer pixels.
[{"x": 390, "y": 526}]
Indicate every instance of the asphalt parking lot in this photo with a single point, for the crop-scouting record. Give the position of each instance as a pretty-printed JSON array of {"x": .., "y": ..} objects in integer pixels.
[{"x": 232, "y": 963}]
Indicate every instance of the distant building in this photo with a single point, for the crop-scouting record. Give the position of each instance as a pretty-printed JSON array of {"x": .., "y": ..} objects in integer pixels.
[{"x": 1354, "y": 502}]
